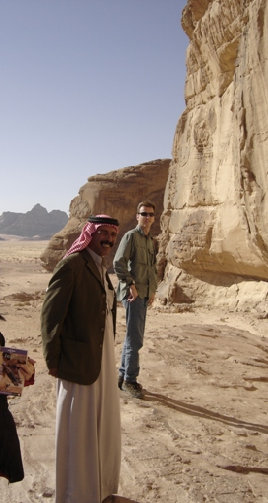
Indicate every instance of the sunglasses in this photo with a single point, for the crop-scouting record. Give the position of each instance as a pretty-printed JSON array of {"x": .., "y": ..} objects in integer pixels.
[{"x": 146, "y": 214}]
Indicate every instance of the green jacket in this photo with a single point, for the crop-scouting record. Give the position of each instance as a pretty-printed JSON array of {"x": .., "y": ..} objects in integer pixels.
[
  {"x": 135, "y": 259},
  {"x": 73, "y": 319}
]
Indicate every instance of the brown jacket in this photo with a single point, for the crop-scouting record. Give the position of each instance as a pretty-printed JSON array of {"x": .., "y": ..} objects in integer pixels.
[{"x": 73, "y": 319}]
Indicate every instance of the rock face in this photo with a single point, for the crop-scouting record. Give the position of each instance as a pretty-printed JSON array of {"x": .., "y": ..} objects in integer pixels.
[
  {"x": 215, "y": 219},
  {"x": 37, "y": 223},
  {"x": 116, "y": 193}
]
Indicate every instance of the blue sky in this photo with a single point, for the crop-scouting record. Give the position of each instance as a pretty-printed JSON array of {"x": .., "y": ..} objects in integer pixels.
[{"x": 87, "y": 87}]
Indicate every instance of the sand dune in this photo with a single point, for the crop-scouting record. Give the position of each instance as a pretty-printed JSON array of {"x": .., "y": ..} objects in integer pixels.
[{"x": 200, "y": 435}]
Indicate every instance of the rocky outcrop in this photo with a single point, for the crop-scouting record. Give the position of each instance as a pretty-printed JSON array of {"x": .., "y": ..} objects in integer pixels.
[
  {"x": 37, "y": 223},
  {"x": 116, "y": 193},
  {"x": 214, "y": 242}
]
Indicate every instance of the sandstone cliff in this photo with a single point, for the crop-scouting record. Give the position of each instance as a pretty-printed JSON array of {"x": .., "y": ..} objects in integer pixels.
[
  {"x": 215, "y": 221},
  {"x": 116, "y": 193}
]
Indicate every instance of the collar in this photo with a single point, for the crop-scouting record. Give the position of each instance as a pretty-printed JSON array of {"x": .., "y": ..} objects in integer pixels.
[
  {"x": 97, "y": 258},
  {"x": 139, "y": 229}
]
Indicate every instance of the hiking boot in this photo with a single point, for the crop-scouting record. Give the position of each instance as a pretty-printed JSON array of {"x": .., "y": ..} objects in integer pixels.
[
  {"x": 120, "y": 381},
  {"x": 133, "y": 388}
]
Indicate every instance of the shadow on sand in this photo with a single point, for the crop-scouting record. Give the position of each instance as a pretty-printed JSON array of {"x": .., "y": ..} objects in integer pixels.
[{"x": 195, "y": 410}]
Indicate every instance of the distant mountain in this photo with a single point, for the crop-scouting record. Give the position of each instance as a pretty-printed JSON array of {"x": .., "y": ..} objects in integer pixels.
[{"x": 37, "y": 223}]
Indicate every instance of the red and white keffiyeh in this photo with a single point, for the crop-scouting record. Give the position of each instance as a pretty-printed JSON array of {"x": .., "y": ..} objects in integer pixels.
[{"x": 89, "y": 229}]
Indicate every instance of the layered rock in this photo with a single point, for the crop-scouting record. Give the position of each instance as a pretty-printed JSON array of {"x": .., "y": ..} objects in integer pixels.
[
  {"x": 215, "y": 219},
  {"x": 116, "y": 193}
]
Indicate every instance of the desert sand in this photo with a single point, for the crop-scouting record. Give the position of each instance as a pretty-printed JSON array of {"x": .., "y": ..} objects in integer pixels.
[{"x": 200, "y": 434}]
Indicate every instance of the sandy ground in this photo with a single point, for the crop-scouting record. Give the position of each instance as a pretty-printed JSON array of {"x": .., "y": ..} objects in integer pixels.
[{"x": 200, "y": 434}]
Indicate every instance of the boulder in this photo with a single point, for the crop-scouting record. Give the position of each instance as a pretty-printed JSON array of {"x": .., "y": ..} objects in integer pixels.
[{"x": 116, "y": 193}]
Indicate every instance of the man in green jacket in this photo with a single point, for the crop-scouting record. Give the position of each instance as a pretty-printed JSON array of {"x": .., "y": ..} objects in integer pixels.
[
  {"x": 135, "y": 267},
  {"x": 78, "y": 328}
]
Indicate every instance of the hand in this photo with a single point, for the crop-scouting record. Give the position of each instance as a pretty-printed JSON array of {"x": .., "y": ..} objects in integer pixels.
[
  {"x": 53, "y": 372},
  {"x": 133, "y": 294},
  {"x": 150, "y": 301}
]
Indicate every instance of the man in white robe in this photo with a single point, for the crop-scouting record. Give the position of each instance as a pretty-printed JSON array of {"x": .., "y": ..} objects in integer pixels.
[{"x": 78, "y": 328}]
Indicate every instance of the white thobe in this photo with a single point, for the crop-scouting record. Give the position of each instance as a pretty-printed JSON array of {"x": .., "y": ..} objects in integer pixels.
[{"x": 88, "y": 431}]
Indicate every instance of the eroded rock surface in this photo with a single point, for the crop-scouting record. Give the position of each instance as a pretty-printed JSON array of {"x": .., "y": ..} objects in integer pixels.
[
  {"x": 215, "y": 220},
  {"x": 116, "y": 193}
]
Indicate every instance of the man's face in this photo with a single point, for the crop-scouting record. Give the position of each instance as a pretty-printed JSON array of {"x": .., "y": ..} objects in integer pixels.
[
  {"x": 145, "y": 218},
  {"x": 103, "y": 240}
]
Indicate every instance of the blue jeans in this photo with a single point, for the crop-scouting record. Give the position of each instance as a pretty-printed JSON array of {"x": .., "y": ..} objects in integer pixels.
[{"x": 135, "y": 325}]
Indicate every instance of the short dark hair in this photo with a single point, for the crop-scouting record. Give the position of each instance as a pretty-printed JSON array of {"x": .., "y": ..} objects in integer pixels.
[{"x": 148, "y": 203}]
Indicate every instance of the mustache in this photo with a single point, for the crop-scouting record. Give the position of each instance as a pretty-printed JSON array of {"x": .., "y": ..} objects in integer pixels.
[{"x": 106, "y": 242}]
